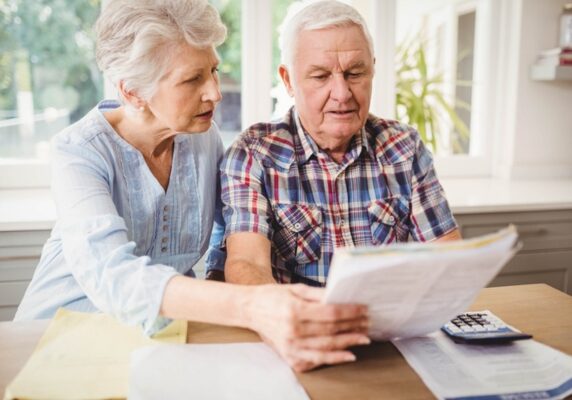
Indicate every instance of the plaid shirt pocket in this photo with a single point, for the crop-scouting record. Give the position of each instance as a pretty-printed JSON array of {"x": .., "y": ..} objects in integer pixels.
[
  {"x": 298, "y": 238},
  {"x": 388, "y": 220}
]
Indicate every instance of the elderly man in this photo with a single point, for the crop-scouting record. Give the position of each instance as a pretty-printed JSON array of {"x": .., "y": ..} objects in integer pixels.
[{"x": 328, "y": 174}]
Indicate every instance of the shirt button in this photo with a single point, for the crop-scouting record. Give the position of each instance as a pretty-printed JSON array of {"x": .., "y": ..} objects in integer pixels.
[
  {"x": 165, "y": 227},
  {"x": 297, "y": 225},
  {"x": 163, "y": 249},
  {"x": 166, "y": 208},
  {"x": 164, "y": 240},
  {"x": 342, "y": 222},
  {"x": 164, "y": 218},
  {"x": 391, "y": 219}
]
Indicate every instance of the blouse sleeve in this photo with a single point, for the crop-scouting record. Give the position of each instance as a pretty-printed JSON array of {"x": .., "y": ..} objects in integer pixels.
[{"x": 95, "y": 241}]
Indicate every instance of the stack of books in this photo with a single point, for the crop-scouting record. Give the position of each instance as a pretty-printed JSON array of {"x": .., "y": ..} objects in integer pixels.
[{"x": 555, "y": 57}]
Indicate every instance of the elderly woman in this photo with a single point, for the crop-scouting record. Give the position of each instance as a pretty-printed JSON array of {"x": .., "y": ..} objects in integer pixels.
[{"x": 135, "y": 186}]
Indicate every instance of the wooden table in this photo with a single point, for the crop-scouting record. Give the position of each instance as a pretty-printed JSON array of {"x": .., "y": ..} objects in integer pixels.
[{"x": 380, "y": 372}]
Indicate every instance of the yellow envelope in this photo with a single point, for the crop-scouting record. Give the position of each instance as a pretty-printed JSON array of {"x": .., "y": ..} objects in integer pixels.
[{"x": 85, "y": 356}]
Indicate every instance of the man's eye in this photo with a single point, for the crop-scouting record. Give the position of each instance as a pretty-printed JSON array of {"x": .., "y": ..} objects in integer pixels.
[
  {"x": 214, "y": 70},
  {"x": 354, "y": 74},
  {"x": 319, "y": 77}
]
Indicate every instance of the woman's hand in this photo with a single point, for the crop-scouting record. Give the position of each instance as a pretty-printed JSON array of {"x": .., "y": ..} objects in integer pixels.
[{"x": 304, "y": 331}]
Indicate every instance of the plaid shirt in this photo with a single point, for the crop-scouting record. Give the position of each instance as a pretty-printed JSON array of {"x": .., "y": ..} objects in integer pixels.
[{"x": 277, "y": 182}]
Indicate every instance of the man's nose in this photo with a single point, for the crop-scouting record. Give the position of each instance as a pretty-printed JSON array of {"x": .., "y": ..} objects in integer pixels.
[
  {"x": 212, "y": 91},
  {"x": 340, "y": 89}
]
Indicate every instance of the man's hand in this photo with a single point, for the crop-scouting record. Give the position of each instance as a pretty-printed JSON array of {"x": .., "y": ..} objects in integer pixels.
[{"x": 305, "y": 332}]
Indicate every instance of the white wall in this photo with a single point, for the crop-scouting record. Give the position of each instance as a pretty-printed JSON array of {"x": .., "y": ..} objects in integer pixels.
[{"x": 541, "y": 132}]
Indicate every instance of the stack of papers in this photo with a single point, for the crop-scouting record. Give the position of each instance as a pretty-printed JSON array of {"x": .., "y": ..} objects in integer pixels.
[
  {"x": 412, "y": 289},
  {"x": 250, "y": 371},
  {"x": 524, "y": 369}
]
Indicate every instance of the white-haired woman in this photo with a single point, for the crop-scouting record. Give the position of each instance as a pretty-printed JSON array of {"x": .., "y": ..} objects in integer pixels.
[{"x": 135, "y": 186}]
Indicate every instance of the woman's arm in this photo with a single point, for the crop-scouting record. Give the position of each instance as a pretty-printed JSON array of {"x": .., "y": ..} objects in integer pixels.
[{"x": 304, "y": 331}]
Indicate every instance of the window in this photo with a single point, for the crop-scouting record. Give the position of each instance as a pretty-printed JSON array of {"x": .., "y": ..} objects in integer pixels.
[
  {"x": 441, "y": 61},
  {"x": 228, "y": 112},
  {"x": 47, "y": 80}
]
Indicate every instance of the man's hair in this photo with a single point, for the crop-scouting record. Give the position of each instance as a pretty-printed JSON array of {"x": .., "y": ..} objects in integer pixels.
[
  {"x": 137, "y": 39},
  {"x": 312, "y": 15}
]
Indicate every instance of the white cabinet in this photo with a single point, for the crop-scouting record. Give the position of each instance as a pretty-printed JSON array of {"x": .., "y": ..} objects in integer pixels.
[
  {"x": 546, "y": 254},
  {"x": 19, "y": 254}
]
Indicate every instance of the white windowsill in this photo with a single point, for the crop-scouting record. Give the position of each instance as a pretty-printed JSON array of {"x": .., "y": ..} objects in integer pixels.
[{"x": 33, "y": 209}]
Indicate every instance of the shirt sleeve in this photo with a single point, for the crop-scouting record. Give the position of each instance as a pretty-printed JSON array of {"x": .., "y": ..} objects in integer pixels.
[
  {"x": 95, "y": 240},
  {"x": 246, "y": 207},
  {"x": 216, "y": 253},
  {"x": 431, "y": 216}
]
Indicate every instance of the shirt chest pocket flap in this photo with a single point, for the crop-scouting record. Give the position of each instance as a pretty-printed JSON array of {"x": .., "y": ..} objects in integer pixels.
[
  {"x": 388, "y": 218},
  {"x": 298, "y": 236}
]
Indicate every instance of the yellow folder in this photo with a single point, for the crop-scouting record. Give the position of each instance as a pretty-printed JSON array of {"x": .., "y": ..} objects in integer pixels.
[{"x": 85, "y": 356}]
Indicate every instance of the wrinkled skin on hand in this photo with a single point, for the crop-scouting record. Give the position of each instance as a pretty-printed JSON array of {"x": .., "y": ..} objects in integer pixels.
[{"x": 303, "y": 330}]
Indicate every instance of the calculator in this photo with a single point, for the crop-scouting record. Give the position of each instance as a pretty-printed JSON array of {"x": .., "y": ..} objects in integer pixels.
[{"x": 481, "y": 327}]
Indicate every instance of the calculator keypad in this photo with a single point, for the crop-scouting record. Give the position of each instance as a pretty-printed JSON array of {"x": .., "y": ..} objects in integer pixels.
[{"x": 481, "y": 327}]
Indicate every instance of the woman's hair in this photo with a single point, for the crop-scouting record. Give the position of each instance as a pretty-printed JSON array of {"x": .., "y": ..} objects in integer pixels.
[
  {"x": 136, "y": 39},
  {"x": 313, "y": 15}
]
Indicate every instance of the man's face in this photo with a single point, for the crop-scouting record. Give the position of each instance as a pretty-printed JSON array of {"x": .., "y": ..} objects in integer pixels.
[{"x": 331, "y": 81}]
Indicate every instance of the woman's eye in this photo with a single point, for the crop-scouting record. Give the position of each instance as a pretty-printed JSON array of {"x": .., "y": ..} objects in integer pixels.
[
  {"x": 214, "y": 70},
  {"x": 193, "y": 79}
]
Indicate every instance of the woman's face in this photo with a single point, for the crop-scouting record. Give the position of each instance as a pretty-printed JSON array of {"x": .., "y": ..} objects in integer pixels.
[{"x": 188, "y": 93}]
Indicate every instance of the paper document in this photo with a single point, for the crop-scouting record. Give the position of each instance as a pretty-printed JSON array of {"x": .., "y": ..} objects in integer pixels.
[
  {"x": 414, "y": 288},
  {"x": 524, "y": 369},
  {"x": 85, "y": 356},
  {"x": 212, "y": 371}
]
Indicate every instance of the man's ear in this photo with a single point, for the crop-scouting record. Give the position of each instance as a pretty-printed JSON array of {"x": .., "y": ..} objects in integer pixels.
[
  {"x": 130, "y": 96},
  {"x": 285, "y": 75}
]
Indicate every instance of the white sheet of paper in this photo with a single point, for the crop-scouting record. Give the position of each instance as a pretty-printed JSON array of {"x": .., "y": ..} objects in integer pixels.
[
  {"x": 413, "y": 289},
  {"x": 212, "y": 371},
  {"x": 524, "y": 369}
]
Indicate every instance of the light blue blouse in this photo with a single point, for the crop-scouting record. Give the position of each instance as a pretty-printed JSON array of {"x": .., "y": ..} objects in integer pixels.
[{"x": 119, "y": 237}]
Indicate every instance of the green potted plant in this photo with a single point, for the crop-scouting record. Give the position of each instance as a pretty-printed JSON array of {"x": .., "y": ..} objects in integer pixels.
[{"x": 421, "y": 101}]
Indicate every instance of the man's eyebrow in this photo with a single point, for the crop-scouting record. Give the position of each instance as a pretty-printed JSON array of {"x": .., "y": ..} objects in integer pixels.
[
  {"x": 357, "y": 65},
  {"x": 314, "y": 68}
]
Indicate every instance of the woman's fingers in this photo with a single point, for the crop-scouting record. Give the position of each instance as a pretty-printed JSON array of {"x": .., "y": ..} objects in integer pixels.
[
  {"x": 312, "y": 328},
  {"x": 305, "y": 360},
  {"x": 333, "y": 343}
]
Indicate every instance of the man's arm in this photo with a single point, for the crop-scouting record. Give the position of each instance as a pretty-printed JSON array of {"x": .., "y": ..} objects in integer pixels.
[
  {"x": 455, "y": 234},
  {"x": 248, "y": 259}
]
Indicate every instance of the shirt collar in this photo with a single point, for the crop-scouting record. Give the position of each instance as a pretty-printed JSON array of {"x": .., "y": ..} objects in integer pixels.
[{"x": 309, "y": 148}]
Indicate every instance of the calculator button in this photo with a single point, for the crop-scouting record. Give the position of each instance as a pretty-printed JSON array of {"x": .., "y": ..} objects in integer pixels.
[
  {"x": 465, "y": 328},
  {"x": 454, "y": 329}
]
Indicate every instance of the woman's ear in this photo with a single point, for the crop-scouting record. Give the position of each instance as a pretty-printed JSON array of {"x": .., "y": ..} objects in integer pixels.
[
  {"x": 286, "y": 78},
  {"x": 131, "y": 97}
]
